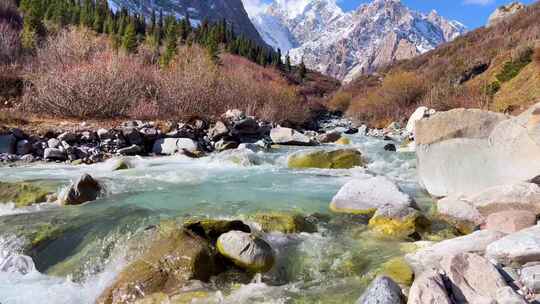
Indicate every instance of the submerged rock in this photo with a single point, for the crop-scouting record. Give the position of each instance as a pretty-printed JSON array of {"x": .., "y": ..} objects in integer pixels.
[
  {"x": 431, "y": 256},
  {"x": 23, "y": 194},
  {"x": 397, "y": 221},
  {"x": 382, "y": 290},
  {"x": 170, "y": 262},
  {"x": 365, "y": 196},
  {"x": 337, "y": 159},
  {"x": 246, "y": 251},
  {"x": 343, "y": 141},
  {"x": 284, "y": 222},
  {"x": 286, "y": 136},
  {"x": 83, "y": 190},
  {"x": 120, "y": 164}
]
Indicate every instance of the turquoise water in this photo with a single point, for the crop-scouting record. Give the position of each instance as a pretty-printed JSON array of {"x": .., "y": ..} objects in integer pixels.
[{"x": 99, "y": 238}]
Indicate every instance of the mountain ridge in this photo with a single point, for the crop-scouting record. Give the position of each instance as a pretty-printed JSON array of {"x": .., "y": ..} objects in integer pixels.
[{"x": 347, "y": 44}]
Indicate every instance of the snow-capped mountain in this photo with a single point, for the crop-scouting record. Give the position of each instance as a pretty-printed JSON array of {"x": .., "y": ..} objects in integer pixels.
[
  {"x": 212, "y": 10},
  {"x": 346, "y": 44}
]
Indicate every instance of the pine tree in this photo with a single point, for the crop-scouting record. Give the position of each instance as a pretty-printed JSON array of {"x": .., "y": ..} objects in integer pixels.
[
  {"x": 171, "y": 38},
  {"x": 288, "y": 63},
  {"x": 129, "y": 40},
  {"x": 302, "y": 71},
  {"x": 213, "y": 50}
]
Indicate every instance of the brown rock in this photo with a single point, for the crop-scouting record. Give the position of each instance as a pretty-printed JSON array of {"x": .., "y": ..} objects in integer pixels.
[
  {"x": 429, "y": 288},
  {"x": 510, "y": 221}
]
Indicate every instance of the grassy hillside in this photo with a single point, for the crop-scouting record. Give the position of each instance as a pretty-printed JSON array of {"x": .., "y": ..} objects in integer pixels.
[{"x": 495, "y": 68}]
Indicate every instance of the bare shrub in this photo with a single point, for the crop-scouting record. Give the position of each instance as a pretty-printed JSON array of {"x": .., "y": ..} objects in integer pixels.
[
  {"x": 76, "y": 75},
  {"x": 10, "y": 43},
  {"x": 9, "y": 14}
]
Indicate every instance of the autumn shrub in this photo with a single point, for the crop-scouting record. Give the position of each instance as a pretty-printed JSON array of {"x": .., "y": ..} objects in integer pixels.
[
  {"x": 398, "y": 95},
  {"x": 10, "y": 27},
  {"x": 340, "y": 101},
  {"x": 77, "y": 75}
]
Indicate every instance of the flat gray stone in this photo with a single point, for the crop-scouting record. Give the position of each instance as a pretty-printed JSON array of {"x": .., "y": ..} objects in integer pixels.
[
  {"x": 516, "y": 248},
  {"x": 382, "y": 290}
]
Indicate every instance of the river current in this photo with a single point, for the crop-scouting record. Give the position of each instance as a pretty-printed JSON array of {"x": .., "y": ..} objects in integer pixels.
[{"x": 99, "y": 238}]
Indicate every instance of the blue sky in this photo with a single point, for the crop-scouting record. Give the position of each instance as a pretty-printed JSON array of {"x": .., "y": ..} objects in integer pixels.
[{"x": 472, "y": 13}]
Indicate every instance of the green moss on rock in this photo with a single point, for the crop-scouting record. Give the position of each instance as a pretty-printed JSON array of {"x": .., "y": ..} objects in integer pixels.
[
  {"x": 398, "y": 270},
  {"x": 22, "y": 193},
  {"x": 337, "y": 159},
  {"x": 284, "y": 222}
]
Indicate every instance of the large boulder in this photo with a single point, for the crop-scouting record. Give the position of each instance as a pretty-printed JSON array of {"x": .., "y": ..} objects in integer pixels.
[
  {"x": 382, "y": 290},
  {"x": 337, "y": 159},
  {"x": 84, "y": 189},
  {"x": 23, "y": 194},
  {"x": 8, "y": 144},
  {"x": 429, "y": 288},
  {"x": 474, "y": 279},
  {"x": 246, "y": 251},
  {"x": 172, "y": 260},
  {"x": 287, "y": 136},
  {"x": 431, "y": 256},
  {"x": 463, "y": 152},
  {"x": 365, "y": 196},
  {"x": 516, "y": 248},
  {"x": 419, "y": 113}
]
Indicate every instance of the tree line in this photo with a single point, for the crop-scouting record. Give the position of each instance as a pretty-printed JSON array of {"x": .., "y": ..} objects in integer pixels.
[{"x": 128, "y": 30}]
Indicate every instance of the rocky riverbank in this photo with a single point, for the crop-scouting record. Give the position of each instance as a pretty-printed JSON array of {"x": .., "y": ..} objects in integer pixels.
[{"x": 458, "y": 242}]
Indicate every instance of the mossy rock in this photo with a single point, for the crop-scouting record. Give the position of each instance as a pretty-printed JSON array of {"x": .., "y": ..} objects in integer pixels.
[
  {"x": 337, "y": 159},
  {"x": 46, "y": 234},
  {"x": 211, "y": 229},
  {"x": 246, "y": 251},
  {"x": 172, "y": 260},
  {"x": 398, "y": 223},
  {"x": 23, "y": 194},
  {"x": 343, "y": 141},
  {"x": 398, "y": 270},
  {"x": 284, "y": 222}
]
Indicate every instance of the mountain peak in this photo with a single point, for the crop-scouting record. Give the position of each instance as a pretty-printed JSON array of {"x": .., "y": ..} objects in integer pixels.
[{"x": 344, "y": 45}]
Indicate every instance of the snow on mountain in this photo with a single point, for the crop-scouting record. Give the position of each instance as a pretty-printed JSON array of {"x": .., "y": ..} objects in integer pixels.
[{"x": 345, "y": 45}]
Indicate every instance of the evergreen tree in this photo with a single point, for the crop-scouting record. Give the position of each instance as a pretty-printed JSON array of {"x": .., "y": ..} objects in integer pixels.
[
  {"x": 129, "y": 39},
  {"x": 302, "y": 71},
  {"x": 288, "y": 63},
  {"x": 171, "y": 40}
]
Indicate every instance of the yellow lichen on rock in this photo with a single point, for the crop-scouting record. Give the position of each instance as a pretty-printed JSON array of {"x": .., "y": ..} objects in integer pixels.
[
  {"x": 398, "y": 270},
  {"x": 343, "y": 141},
  {"x": 337, "y": 159}
]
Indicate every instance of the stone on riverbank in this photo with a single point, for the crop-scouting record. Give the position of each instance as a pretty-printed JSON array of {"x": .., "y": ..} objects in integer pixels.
[
  {"x": 382, "y": 290},
  {"x": 365, "y": 196},
  {"x": 83, "y": 190},
  {"x": 23, "y": 194},
  {"x": 474, "y": 279},
  {"x": 246, "y": 251},
  {"x": 287, "y": 136},
  {"x": 516, "y": 248},
  {"x": 337, "y": 159},
  {"x": 429, "y": 288},
  {"x": 171, "y": 146},
  {"x": 330, "y": 137},
  {"x": 8, "y": 144},
  {"x": 510, "y": 221},
  {"x": 431, "y": 256}
]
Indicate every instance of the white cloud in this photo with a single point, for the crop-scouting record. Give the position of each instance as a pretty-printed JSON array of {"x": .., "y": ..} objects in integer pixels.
[
  {"x": 253, "y": 7},
  {"x": 478, "y": 2}
]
